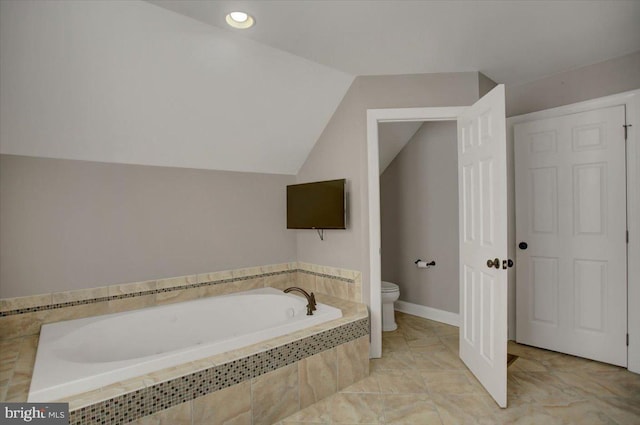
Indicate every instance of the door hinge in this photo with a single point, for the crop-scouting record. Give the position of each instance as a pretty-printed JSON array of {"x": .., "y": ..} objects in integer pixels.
[
  {"x": 627, "y": 340},
  {"x": 626, "y": 126}
]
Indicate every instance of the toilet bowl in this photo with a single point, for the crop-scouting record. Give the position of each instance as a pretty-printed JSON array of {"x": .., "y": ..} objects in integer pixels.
[{"x": 390, "y": 294}]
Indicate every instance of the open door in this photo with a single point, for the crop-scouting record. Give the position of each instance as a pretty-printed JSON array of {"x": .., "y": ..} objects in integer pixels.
[{"x": 482, "y": 194}]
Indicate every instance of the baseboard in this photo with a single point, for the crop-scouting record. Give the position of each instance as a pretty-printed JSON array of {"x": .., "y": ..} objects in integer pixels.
[{"x": 430, "y": 313}]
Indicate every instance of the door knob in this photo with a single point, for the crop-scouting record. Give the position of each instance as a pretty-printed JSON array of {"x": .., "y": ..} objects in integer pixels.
[
  {"x": 493, "y": 263},
  {"x": 523, "y": 245}
]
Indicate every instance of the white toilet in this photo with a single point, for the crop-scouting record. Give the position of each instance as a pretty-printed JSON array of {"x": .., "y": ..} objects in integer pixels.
[{"x": 390, "y": 294}]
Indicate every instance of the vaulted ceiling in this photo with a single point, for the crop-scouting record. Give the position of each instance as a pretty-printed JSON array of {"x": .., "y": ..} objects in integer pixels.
[
  {"x": 166, "y": 82},
  {"x": 129, "y": 82},
  {"x": 511, "y": 42}
]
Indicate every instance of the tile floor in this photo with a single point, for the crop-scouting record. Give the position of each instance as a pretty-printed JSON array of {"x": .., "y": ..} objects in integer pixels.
[{"x": 420, "y": 380}]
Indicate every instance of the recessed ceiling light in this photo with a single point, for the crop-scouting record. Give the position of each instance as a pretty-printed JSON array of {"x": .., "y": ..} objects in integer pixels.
[{"x": 240, "y": 20}]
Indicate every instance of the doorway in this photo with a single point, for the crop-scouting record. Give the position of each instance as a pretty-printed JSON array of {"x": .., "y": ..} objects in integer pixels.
[
  {"x": 482, "y": 228},
  {"x": 375, "y": 117},
  {"x": 419, "y": 216}
]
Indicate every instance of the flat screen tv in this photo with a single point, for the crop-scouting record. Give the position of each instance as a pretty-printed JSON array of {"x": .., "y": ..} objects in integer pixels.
[{"x": 318, "y": 205}]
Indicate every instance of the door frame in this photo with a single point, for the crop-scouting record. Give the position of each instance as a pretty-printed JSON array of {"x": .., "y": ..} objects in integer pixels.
[
  {"x": 631, "y": 101},
  {"x": 374, "y": 117}
]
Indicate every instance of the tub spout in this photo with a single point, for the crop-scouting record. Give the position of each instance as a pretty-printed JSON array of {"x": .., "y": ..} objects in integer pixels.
[{"x": 311, "y": 299}]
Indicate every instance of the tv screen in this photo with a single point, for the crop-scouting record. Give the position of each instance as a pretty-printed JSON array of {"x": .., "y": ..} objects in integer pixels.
[{"x": 319, "y": 205}]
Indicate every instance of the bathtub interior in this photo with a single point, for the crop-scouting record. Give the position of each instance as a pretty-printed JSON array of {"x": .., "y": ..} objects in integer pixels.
[{"x": 84, "y": 354}]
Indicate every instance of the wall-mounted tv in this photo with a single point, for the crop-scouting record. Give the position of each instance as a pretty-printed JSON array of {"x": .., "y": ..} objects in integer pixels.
[{"x": 318, "y": 205}]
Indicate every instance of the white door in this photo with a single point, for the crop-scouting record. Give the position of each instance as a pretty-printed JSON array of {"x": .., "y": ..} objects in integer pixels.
[
  {"x": 571, "y": 231},
  {"x": 482, "y": 193}
]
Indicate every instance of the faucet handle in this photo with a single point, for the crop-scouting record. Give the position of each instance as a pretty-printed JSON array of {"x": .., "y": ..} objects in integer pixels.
[{"x": 313, "y": 302}]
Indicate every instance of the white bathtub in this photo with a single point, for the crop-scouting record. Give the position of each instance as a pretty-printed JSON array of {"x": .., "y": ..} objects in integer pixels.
[{"x": 84, "y": 354}]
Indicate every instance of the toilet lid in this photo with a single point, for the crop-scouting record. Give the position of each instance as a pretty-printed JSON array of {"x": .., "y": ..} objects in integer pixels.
[{"x": 389, "y": 287}]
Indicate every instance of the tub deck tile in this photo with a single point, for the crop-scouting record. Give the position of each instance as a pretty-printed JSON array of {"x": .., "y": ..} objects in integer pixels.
[
  {"x": 132, "y": 399},
  {"x": 201, "y": 383}
]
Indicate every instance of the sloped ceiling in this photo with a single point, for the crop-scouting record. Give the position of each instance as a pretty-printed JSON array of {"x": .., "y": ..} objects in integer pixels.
[
  {"x": 512, "y": 42},
  {"x": 392, "y": 137},
  {"x": 129, "y": 82}
]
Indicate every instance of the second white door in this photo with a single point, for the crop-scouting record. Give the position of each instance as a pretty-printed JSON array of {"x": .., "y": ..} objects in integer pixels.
[{"x": 571, "y": 234}]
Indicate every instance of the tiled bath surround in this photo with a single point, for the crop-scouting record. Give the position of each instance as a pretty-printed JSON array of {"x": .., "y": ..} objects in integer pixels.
[
  {"x": 273, "y": 381},
  {"x": 25, "y": 315},
  {"x": 333, "y": 352}
]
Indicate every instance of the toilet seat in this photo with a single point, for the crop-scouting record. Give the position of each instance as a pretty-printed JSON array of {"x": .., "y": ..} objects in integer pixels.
[{"x": 389, "y": 287}]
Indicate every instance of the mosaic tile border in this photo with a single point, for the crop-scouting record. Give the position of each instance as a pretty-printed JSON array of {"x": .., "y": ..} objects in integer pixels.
[
  {"x": 134, "y": 405},
  {"x": 328, "y": 276},
  {"x": 161, "y": 290}
]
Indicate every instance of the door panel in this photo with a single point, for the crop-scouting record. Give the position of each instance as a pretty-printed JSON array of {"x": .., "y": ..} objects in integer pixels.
[
  {"x": 544, "y": 280},
  {"x": 483, "y": 235},
  {"x": 571, "y": 211},
  {"x": 544, "y": 184}
]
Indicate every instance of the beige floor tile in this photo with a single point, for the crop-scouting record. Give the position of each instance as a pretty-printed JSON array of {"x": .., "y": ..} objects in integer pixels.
[
  {"x": 438, "y": 360},
  {"x": 544, "y": 387},
  {"x": 412, "y": 332},
  {"x": 584, "y": 384},
  {"x": 410, "y": 409},
  {"x": 394, "y": 343},
  {"x": 423, "y": 342},
  {"x": 571, "y": 363},
  {"x": 583, "y": 412},
  {"x": 623, "y": 410},
  {"x": 463, "y": 410},
  {"x": 400, "y": 381},
  {"x": 528, "y": 352},
  {"x": 527, "y": 414},
  {"x": 528, "y": 365},
  {"x": 442, "y": 329},
  {"x": 366, "y": 385},
  {"x": 318, "y": 413},
  {"x": 350, "y": 408},
  {"x": 413, "y": 323},
  {"x": 619, "y": 381},
  {"x": 452, "y": 342},
  {"x": 429, "y": 348},
  {"x": 450, "y": 382},
  {"x": 394, "y": 360}
]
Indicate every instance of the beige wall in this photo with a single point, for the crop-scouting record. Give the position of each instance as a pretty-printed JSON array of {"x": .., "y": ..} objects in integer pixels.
[
  {"x": 341, "y": 152},
  {"x": 589, "y": 82},
  {"x": 419, "y": 217},
  {"x": 75, "y": 224}
]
